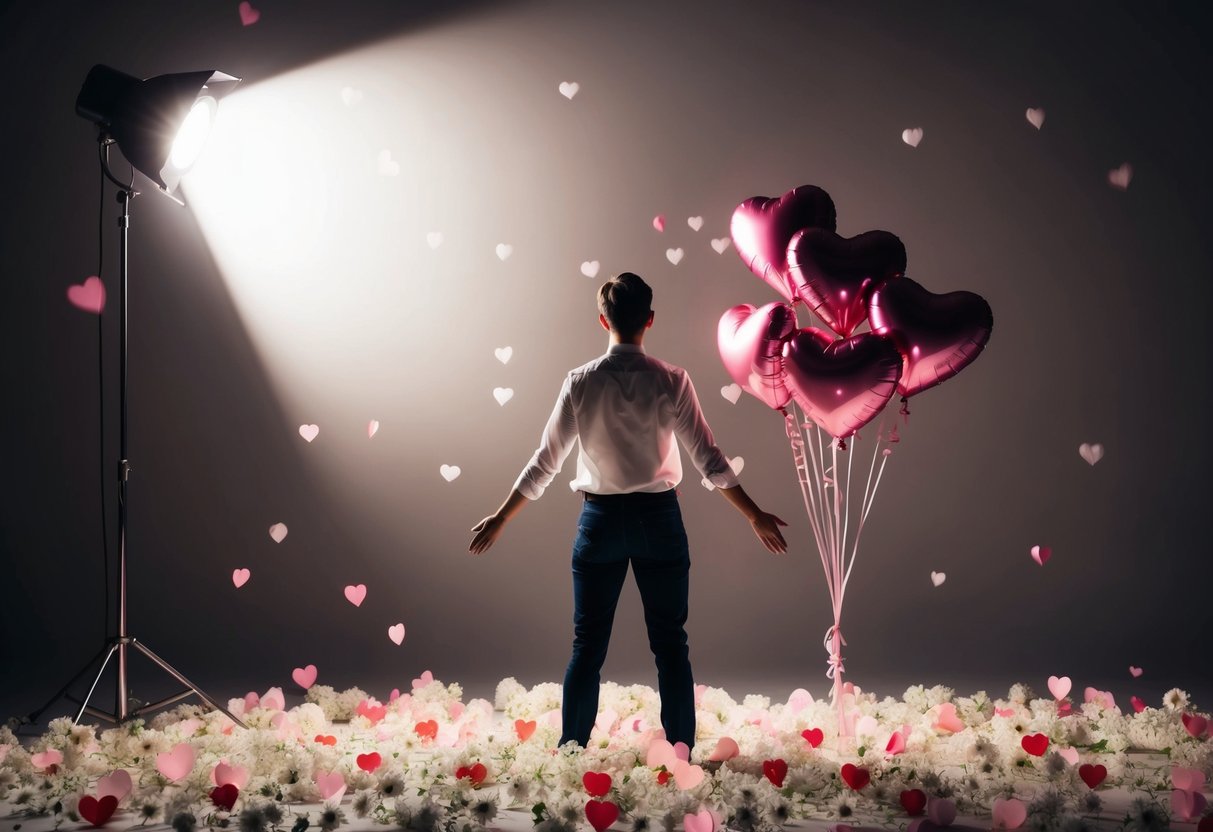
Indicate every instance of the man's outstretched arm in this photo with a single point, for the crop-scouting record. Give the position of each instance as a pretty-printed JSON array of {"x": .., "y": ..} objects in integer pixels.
[{"x": 489, "y": 529}]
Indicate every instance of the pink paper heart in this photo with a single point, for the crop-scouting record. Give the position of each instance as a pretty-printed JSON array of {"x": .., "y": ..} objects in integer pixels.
[
  {"x": 1121, "y": 176},
  {"x": 331, "y": 785},
  {"x": 687, "y": 776},
  {"x": 278, "y": 532},
  {"x": 659, "y": 222},
  {"x": 1070, "y": 755},
  {"x": 701, "y": 821},
  {"x": 89, "y": 295},
  {"x": 396, "y": 633},
  {"x": 1036, "y": 117},
  {"x": 1187, "y": 779},
  {"x": 1041, "y": 555},
  {"x": 1187, "y": 806},
  {"x": 309, "y": 432},
  {"x": 248, "y": 15},
  {"x": 1009, "y": 813},
  {"x": 726, "y": 749},
  {"x": 1135, "y": 672},
  {"x": 799, "y": 700},
  {"x": 116, "y": 783},
  {"x": 1138, "y": 705},
  {"x": 1004, "y": 712},
  {"x": 1060, "y": 686},
  {"x": 273, "y": 699},
  {"x": 947, "y": 720},
  {"x": 897, "y": 742},
  {"x": 355, "y": 594},
  {"x": 45, "y": 759},
  {"x": 682, "y": 751},
  {"x": 223, "y": 773},
  {"x": 426, "y": 678},
  {"x": 866, "y": 726},
  {"x": 240, "y": 577},
  {"x": 1195, "y": 724},
  {"x": 304, "y": 677},
  {"x": 660, "y": 753},
  {"x": 372, "y": 428},
  {"x": 1103, "y": 698},
  {"x": 178, "y": 762}
]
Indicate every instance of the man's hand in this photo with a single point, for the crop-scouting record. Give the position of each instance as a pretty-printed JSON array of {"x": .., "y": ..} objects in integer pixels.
[
  {"x": 487, "y": 531},
  {"x": 766, "y": 527}
]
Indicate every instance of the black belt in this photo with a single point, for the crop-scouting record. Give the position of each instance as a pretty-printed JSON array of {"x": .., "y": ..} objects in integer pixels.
[{"x": 633, "y": 497}]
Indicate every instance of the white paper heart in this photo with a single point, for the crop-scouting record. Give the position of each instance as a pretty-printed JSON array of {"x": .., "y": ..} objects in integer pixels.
[
  {"x": 732, "y": 392},
  {"x": 387, "y": 165},
  {"x": 1036, "y": 117},
  {"x": 503, "y": 394},
  {"x": 504, "y": 250},
  {"x": 1091, "y": 453},
  {"x": 590, "y": 268},
  {"x": 372, "y": 428},
  {"x": 350, "y": 96},
  {"x": 309, "y": 432},
  {"x": 396, "y": 633},
  {"x": 938, "y": 578},
  {"x": 433, "y": 239},
  {"x": 278, "y": 532},
  {"x": 720, "y": 244},
  {"x": 737, "y": 463},
  {"x": 674, "y": 255},
  {"x": 450, "y": 472},
  {"x": 912, "y": 136},
  {"x": 696, "y": 223},
  {"x": 569, "y": 88},
  {"x": 1120, "y": 177},
  {"x": 504, "y": 354}
]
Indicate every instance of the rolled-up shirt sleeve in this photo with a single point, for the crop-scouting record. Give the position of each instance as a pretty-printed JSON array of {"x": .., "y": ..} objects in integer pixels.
[
  {"x": 695, "y": 435},
  {"x": 554, "y": 446}
]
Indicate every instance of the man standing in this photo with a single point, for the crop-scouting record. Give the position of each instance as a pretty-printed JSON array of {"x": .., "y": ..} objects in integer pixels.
[{"x": 626, "y": 407}]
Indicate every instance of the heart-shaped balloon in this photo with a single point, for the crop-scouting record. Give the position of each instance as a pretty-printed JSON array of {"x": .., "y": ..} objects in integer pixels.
[
  {"x": 835, "y": 276},
  {"x": 938, "y": 335},
  {"x": 763, "y": 226},
  {"x": 841, "y": 384},
  {"x": 751, "y": 346}
]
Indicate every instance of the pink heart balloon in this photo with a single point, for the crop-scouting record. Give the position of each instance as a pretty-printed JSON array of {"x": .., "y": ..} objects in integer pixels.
[
  {"x": 843, "y": 384},
  {"x": 938, "y": 335},
  {"x": 1009, "y": 813},
  {"x": 178, "y": 762},
  {"x": 762, "y": 227},
  {"x": 116, "y": 783},
  {"x": 834, "y": 275},
  {"x": 751, "y": 346}
]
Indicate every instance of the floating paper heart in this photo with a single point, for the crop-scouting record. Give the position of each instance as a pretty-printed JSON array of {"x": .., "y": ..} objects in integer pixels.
[
  {"x": 331, "y": 785},
  {"x": 835, "y": 276},
  {"x": 1092, "y": 775},
  {"x": 427, "y": 729},
  {"x": 590, "y": 268},
  {"x": 504, "y": 354},
  {"x": 1187, "y": 806},
  {"x": 941, "y": 811},
  {"x": 660, "y": 753},
  {"x": 450, "y": 472},
  {"x": 1188, "y": 779},
  {"x": 912, "y": 136},
  {"x": 225, "y": 773},
  {"x": 1119, "y": 177},
  {"x": 95, "y": 811},
  {"x": 937, "y": 578},
  {"x": 719, "y": 244},
  {"x": 1091, "y": 453},
  {"x": 224, "y": 796},
  {"x": 433, "y": 239},
  {"x": 387, "y": 165},
  {"x": 524, "y": 729},
  {"x": 504, "y": 250},
  {"x": 1041, "y": 555},
  {"x": 866, "y": 726},
  {"x": 751, "y": 342},
  {"x": 731, "y": 392},
  {"x": 696, "y": 223},
  {"x": 176, "y": 763},
  {"x": 799, "y": 699},
  {"x": 597, "y": 783},
  {"x": 305, "y": 677},
  {"x": 476, "y": 773},
  {"x": 1036, "y": 117},
  {"x": 248, "y": 15},
  {"x": 1195, "y": 725},
  {"x": 726, "y": 749},
  {"x": 775, "y": 771},
  {"x": 569, "y": 88},
  {"x": 278, "y": 532},
  {"x": 914, "y": 801},
  {"x": 1035, "y": 744},
  {"x": 326, "y": 740},
  {"x": 841, "y": 385},
  {"x": 309, "y": 432},
  {"x": 674, "y": 255},
  {"x": 1060, "y": 686},
  {"x": 855, "y": 777},
  {"x": 601, "y": 814},
  {"x": 701, "y": 821},
  {"x": 396, "y": 633},
  {"x": 117, "y": 783},
  {"x": 369, "y": 762},
  {"x": 1009, "y": 813},
  {"x": 896, "y": 744},
  {"x": 350, "y": 96},
  {"x": 813, "y": 736},
  {"x": 89, "y": 295},
  {"x": 503, "y": 394},
  {"x": 687, "y": 776},
  {"x": 762, "y": 227},
  {"x": 1138, "y": 705},
  {"x": 355, "y": 594},
  {"x": 938, "y": 335},
  {"x": 372, "y": 428},
  {"x": 240, "y": 577},
  {"x": 659, "y": 222},
  {"x": 1004, "y": 712},
  {"x": 1103, "y": 698},
  {"x": 946, "y": 719},
  {"x": 424, "y": 679}
]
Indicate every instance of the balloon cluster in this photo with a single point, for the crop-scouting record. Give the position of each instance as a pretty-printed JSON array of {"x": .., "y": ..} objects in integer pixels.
[{"x": 840, "y": 379}]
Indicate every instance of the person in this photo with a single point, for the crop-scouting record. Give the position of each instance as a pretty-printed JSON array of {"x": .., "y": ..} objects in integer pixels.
[{"x": 625, "y": 408}]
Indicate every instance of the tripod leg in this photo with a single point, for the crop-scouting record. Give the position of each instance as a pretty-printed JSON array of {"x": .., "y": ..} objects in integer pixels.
[
  {"x": 84, "y": 704},
  {"x": 33, "y": 717},
  {"x": 170, "y": 670}
]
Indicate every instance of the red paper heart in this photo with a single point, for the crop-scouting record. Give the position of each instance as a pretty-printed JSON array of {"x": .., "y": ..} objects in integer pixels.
[
  {"x": 855, "y": 777},
  {"x": 841, "y": 385},
  {"x": 596, "y": 783},
  {"x": 751, "y": 343},
  {"x": 326, "y": 740},
  {"x": 427, "y": 729},
  {"x": 938, "y": 335},
  {"x": 369, "y": 762},
  {"x": 1092, "y": 775},
  {"x": 813, "y": 736},
  {"x": 95, "y": 811},
  {"x": 524, "y": 730},
  {"x": 1195, "y": 725},
  {"x": 372, "y": 712},
  {"x": 1138, "y": 705},
  {"x": 601, "y": 814},
  {"x": 835, "y": 276},
  {"x": 775, "y": 771},
  {"x": 1035, "y": 744},
  {"x": 225, "y": 796},
  {"x": 763, "y": 226},
  {"x": 914, "y": 801},
  {"x": 476, "y": 773}
]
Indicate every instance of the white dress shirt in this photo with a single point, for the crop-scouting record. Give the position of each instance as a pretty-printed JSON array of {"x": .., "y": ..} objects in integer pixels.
[{"x": 625, "y": 407}]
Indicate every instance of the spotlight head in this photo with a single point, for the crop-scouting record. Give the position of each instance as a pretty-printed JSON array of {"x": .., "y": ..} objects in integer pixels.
[{"x": 160, "y": 124}]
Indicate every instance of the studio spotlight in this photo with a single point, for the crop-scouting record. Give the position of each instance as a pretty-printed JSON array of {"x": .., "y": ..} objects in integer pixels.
[{"x": 160, "y": 125}]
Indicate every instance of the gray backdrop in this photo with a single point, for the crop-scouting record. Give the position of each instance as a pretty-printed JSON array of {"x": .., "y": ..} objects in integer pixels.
[{"x": 1099, "y": 297}]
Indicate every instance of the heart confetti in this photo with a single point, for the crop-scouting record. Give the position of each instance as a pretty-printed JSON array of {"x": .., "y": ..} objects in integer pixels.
[
  {"x": 476, "y": 773},
  {"x": 659, "y": 222},
  {"x": 504, "y": 250},
  {"x": 726, "y": 749},
  {"x": 938, "y": 578},
  {"x": 372, "y": 428},
  {"x": 331, "y": 785},
  {"x": 601, "y": 814},
  {"x": 855, "y": 777},
  {"x": 1036, "y": 117},
  {"x": 1060, "y": 686},
  {"x": 912, "y": 136},
  {"x": 89, "y": 295},
  {"x": 225, "y": 773},
  {"x": 1092, "y": 775},
  {"x": 1120, "y": 177},
  {"x": 775, "y": 771},
  {"x": 248, "y": 15},
  {"x": 1041, "y": 554},
  {"x": 450, "y": 472},
  {"x": 387, "y": 165},
  {"x": 1138, "y": 705},
  {"x": 178, "y": 762},
  {"x": 1135, "y": 672},
  {"x": 304, "y": 677},
  {"x": 97, "y": 812},
  {"x": 687, "y": 776},
  {"x": 914, "y": 801},
  {"x": 278, "y": 532},
  {"x": 1035, "y": 744},
  {"x": 941, "y": 811},
  {"x": 369, "y": 762},
  {"x": 813, "y": 736},
  {"x": 117, "y": 783},
  {"x": 1009, "y": 813},
  {"x": 524, "y": 729},
  {"x": 590, "y": 268},
  {"x": 396, "y": 633},
  {"x": 427, "y": 729},
  {"x": 309, "y": 432},
  {"x": 732, "y": 392},
  {"x": 425, "y": 679},
  {"x": 596, "y": 783},
  {"x": 701, "y": 821},
  {"x": 433, "y": 239},
  {"x": 504, "y": 354},
  {"x": 696, "y": 223},
  {"x": 355, "y": 594},
  {"x": 503, "y": 394},
  {"x": 569, "y": 88},
  {"x": 674, "y": 255},
  {"x": 240, "y": 577},
  {"x": 1091, "y": 453},
  {"x": 720, "y": 244},
  {"x": 224, "y": 797}
]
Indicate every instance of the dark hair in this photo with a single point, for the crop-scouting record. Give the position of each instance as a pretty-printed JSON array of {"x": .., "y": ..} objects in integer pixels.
[{"x": 626, "y": 301}]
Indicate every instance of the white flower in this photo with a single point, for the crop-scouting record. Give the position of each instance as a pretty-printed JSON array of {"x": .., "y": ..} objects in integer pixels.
[{"x": 1175, "y": 700}]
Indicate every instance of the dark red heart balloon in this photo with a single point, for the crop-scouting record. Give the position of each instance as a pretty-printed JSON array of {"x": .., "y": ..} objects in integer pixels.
[
  {"x": 855, "y": 777},
  {"x": 841, "y": 384},
  {"x": 763, "y": 226},
  {"x": 225, "y": 796},
  {"x": 95, "y": 811},
  {"x": 914, "y": 801},
  {"x": 835, "y": 276},
  {"x": 938, "y": 335},
  {"x": 751, "y": 346}
]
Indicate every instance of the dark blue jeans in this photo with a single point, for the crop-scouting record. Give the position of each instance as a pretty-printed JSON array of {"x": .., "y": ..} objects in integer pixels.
[{"x": 645, "y": 530}]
